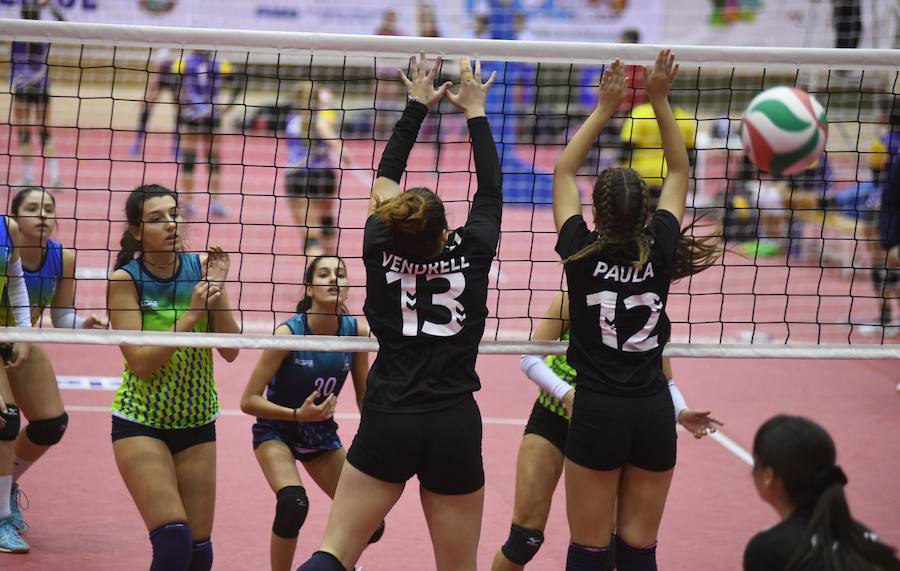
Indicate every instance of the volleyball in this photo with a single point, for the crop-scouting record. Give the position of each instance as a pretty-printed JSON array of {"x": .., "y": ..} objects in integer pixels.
[{"x": 784, "y": 130}]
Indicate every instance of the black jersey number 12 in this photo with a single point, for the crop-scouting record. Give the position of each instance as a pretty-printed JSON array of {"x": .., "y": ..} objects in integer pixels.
[{"x": 640, "y": 341}]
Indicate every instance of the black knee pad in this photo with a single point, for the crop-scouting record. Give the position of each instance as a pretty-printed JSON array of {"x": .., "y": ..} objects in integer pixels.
[
  {"x": 45, "y": 135},
  {"x": 891, "y": 278},
  {"x": 630, "y": 558},
  {"x": 188, "y": 161},
  {"x": 379, "y": 531},
  {"x": 49, "y": 431},
  {"x": 24, "y": 135},
  {"x": 13, "y": 423},
  {"x": 291, "y": 508},
  {"x": 522, "y": 544},
  {"x": 213, "y": 167}
]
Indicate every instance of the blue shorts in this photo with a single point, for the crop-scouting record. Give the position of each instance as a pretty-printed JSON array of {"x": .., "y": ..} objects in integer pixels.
[{"x": 307, "y": 441}]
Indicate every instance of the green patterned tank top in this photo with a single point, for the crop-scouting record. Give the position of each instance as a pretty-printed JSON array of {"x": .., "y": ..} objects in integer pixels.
[
  {"x": 564, "y": 371},
  {"x": 182, "y": 393}
]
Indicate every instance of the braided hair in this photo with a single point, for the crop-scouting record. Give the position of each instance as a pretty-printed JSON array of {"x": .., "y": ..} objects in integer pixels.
[{"x": 621, "y": 209}]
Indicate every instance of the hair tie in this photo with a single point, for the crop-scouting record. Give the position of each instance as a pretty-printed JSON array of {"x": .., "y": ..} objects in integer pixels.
[{"x": 833, "y": 475}]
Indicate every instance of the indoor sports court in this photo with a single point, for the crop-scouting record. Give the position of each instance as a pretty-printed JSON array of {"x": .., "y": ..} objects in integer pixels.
[{"x": 794, "y": 331}]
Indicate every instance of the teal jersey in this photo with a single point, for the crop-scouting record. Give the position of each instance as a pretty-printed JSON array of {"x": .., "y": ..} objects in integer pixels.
[
  {"x": 182, "y": 393},
  {"x": 564, "y": 371},
  {"x": 6, "y": 252}
]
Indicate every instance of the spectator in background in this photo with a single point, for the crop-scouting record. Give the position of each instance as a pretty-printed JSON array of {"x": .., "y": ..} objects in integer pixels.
[
  {"x": 428, "y": 27},
  {"x": 388, "y": 26},
  {"x": 846, "y": 18}
]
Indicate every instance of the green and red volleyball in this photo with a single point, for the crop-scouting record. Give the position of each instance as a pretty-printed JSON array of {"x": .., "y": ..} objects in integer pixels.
[{"x": 784, "y": 130}]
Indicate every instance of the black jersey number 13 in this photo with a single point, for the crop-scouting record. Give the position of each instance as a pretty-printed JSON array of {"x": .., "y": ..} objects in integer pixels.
[{"x": 409, "y": 304}]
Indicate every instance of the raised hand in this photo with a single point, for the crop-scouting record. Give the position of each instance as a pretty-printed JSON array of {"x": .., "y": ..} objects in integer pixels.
[
  {"x": 472, "y": 92},
  {"x": 658, "y": 80},
  {"x": 613, "y": 86},
  {"x": 698, "y": 422},
  {"x": 217, "y": 264},
  {"x": 421, "y": 86}
]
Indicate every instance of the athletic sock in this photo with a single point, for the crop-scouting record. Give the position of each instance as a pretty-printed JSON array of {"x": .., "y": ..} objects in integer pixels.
[
  {"x": 322, "y": 561},
  {"x": 5, "y": 491},
  {"x": 202, "y": 555}
]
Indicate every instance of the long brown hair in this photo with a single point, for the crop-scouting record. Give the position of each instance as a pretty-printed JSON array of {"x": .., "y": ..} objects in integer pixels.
[
  {"x": 416, "y": 219},
  {"x": 134, "y": 215},
  {"x": 693, "y": 254}
]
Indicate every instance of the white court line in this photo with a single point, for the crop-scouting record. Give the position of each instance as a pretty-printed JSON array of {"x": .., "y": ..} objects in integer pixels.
[{"x": 727, "y": 443}]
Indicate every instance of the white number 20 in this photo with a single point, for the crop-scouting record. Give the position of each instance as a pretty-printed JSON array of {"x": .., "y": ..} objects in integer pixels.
[
  {"x": 640, "y": 341},
  {"x": 448, "y": 299}
]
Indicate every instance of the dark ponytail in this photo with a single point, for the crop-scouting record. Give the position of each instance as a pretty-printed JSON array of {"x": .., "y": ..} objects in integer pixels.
[
  {"x": 802, "y": 454},
  {"x": 693, "y": 254},
  {"x": 134, "y": 215},
  {"x": 305, "y": 303}
]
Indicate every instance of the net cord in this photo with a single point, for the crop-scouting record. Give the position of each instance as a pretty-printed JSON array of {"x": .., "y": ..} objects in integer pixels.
[
  {"x": 369, "y": 344},
  {"x": 450, "y": 48}
]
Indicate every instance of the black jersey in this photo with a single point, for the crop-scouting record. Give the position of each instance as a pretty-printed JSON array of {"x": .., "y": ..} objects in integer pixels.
[
  {"x": 618, "y": 319},
  {"x": 774, "y": 548},
  {"x": 428, "y": 315}
]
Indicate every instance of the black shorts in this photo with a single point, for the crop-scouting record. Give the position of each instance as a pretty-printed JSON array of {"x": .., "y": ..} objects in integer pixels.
[
  {"x": 32, "y": 97},
  {"x": 176, "y": 440},
  {"x": 607, "y": 432},
  {"x": 202, "y": 125},
  {"x": 170, "y": 82},
  {"x": 310, "y": 183},
  {"x": 443, "y": 448},
  {"x": 548, "y": 425}
]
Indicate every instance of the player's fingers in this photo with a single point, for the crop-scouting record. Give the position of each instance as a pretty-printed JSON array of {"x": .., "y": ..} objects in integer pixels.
[
  {"x": 435, "y": 69},
  {"x": 422, "y": 64},
  {"x": 490, "y": 80},
  {"x": 478, "y": 70},
  {"x": 311, "y": 399},
  {"x": 405, "y": 79}
]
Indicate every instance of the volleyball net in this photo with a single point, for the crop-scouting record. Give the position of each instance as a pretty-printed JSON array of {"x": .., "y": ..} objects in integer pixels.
[{"x": 804, "y": 275}]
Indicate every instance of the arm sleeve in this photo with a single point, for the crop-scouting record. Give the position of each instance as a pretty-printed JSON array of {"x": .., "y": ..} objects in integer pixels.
[
  {"x": 677, "y": 399},
  {"x": 396, "y": 152},
  {"x": 537, "y": 370},
  {"x": 18, "y": 295},
  {"x": 487, "y": 206},
  {"x": 66, "y": 318}
]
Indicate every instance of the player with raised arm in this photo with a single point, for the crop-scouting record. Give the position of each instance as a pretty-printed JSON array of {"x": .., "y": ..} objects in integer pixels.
[
  {"x": 164, "y": 413},
  {"x": 293, "y": 394},
  {"x": 12, "y": 283},
  {"x": 49, "y": 273},
  {"x": 426, "y": 302},
  {"x": 620, "y": 452},
  {"x": 542, "y": 451}
]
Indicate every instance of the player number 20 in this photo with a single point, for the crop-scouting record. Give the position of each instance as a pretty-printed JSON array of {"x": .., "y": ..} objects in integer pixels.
[
  {"x": 640, "y": 341},
  {"x": 448, "y": 299},
  {"x": 326, "y": 386}
]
